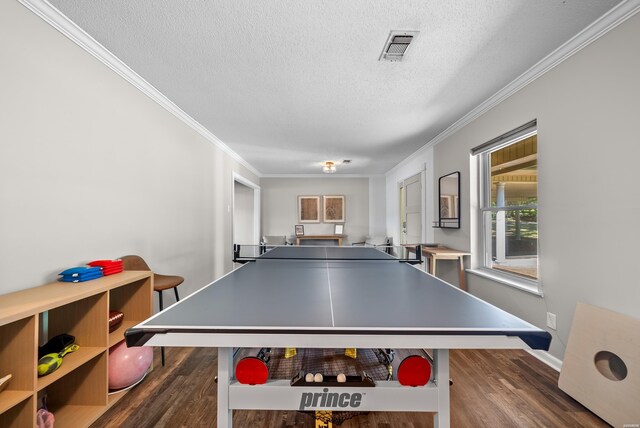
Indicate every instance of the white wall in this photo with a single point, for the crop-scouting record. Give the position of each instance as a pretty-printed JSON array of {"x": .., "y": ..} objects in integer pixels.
[
  {"x": 91, "y": 168},
  {"x": 587, "y": 111},
  {"x": 280, "y": 205},
  {"x": 377, "y": 206}
]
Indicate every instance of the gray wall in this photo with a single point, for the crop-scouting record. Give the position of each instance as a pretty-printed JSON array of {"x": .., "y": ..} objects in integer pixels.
[
  {"x": 587, "y": 110},
  {"x": 280, "y": 205},
  {"x": 90, "y": 168}
]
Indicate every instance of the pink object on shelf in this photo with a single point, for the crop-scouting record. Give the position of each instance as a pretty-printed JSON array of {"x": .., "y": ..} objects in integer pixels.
[
  {"x": 44, "y": 419},
  {"x": 128, "y": 365}
]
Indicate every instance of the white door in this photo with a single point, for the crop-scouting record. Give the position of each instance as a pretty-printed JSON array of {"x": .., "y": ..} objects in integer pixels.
[{"x": 411, "y": 210}]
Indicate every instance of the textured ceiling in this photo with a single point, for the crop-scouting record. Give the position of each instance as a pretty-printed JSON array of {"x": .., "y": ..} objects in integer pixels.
[{"x": 288, "y": 84}]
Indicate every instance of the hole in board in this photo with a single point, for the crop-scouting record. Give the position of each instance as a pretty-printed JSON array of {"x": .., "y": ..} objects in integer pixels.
[{"x": 610, "y": 365}]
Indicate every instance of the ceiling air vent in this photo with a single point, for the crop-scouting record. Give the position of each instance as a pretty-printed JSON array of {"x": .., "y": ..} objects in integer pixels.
[{"x": 397, "y": 45}]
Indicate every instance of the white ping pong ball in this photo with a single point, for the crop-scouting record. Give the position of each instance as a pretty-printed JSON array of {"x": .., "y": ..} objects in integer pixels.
[
  {"x": 308, "y": 377},
  {"x": 342, "y": 378},
  {"x": 317, "y": 377}
]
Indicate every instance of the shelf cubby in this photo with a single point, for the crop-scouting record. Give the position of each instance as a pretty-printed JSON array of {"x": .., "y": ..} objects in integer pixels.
[
  {"x": 17, "y": 341},
  {"x": 79, "y": 398},
  {"x": 23, "y": 414},
  {"x": 86, "y": 319},
  {"x": 69, "y": 364},
  {"x": 134, "y": 301},
  {"x": 9, "y": 399}
]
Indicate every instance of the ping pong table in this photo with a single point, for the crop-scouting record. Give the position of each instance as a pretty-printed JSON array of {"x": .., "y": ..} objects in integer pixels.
[{"x": 334, "y": 297}]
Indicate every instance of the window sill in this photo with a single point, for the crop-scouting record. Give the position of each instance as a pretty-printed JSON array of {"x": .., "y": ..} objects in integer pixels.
[{"x": 520, "y": 284}]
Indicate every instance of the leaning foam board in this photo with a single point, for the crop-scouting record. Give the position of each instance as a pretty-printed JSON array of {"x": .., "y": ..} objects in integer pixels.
[{"x": 601, "y": 366}]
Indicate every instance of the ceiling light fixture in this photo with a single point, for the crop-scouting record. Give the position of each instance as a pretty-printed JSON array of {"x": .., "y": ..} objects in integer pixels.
[{"x": 329, "y": 167}]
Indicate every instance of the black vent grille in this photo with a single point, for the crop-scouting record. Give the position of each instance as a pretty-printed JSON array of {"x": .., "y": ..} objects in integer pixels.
[{"x": 397, "y": 45}]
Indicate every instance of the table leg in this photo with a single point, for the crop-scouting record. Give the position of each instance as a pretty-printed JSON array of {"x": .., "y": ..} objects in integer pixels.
[
  {"x": 461, "y": 274},
  {"x": 432, "y": 265},
  {"x": 442, "y": 419},
  {"x": 225, "y": 374}
]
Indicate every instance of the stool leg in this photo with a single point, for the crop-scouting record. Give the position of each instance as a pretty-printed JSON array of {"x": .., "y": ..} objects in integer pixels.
[
  {"x": 176, "y": 291},
  {"x": 161, "y": 308}
]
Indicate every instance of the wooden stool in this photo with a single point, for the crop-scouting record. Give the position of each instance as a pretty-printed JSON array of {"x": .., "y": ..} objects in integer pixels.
[{"x": 160, "y": 282}]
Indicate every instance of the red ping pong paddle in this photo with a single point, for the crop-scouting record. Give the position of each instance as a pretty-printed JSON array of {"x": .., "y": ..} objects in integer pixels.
[
  {"x": 414, "y": 370},
  {"x": 252, "y": 371}
]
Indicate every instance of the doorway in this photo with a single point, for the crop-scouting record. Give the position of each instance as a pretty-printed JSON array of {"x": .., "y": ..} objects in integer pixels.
[
  {"x": 245, "y": 212},
  {"x": 411, "y": 204}
]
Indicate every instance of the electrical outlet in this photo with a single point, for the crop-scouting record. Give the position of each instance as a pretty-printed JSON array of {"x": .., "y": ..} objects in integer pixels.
[{"x": 551, "y": 320}]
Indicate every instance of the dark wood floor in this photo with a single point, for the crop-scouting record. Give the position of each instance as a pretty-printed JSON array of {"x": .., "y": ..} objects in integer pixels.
[{"x": 492, "y": 388}]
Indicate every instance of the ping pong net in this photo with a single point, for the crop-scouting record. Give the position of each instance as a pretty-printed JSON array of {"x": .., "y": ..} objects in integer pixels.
[{"x": 249, "y": 253}]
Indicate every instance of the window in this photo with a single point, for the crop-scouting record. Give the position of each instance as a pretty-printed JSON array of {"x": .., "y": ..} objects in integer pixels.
[{"x": 508, "y": 167}]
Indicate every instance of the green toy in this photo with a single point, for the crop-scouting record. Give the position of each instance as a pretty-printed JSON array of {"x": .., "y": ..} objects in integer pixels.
[{"x": 51, "y": 362}]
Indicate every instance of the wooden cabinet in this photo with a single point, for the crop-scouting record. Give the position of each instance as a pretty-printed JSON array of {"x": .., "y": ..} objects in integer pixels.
[{"x": 77, "y": 393}]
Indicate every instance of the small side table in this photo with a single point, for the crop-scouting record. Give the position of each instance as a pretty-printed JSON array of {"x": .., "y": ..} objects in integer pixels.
[{"x": 433, "y": 254}]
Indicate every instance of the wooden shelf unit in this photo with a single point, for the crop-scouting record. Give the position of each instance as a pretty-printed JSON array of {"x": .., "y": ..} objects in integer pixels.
[{"x": 77, "y": 393}]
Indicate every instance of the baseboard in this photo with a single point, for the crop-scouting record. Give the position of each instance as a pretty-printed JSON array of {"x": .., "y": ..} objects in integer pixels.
[{"x": 546, "y": 358}]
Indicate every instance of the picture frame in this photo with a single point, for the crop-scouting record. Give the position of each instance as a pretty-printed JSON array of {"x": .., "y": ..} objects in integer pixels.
[
  {"x": 338, "y": 229},
  {"x": 456, "y": 204},
  {"x": 446, "y": 207},
  {"x": 333, "y": 208},
  {"x": 299, "y": 230},
  {"x": 308, "y": 209}
]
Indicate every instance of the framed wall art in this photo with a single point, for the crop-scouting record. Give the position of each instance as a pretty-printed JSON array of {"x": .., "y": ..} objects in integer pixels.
[
  {"x": 446, "y": 207},
  {"x": 308, "y": 209},
  {"x": 333, "y": 209}
]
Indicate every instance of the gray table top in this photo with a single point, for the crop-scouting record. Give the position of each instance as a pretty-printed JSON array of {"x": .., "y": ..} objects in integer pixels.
[{"x": 333, "y": 291}]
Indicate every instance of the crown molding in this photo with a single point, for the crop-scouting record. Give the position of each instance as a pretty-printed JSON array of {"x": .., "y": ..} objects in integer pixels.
[
  {"x": 321, "y": 175},
  {"x": 594, "y": 31},
  {"x": 60, "y": 22}
]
